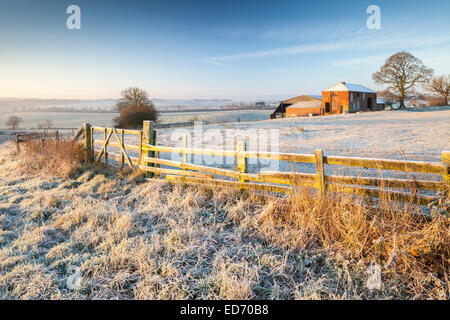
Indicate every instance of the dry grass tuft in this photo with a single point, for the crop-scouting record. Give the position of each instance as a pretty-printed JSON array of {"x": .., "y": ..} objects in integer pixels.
[
  {"x": 60, "y": 158},
  {"x": 401, "y": 240},
  {"x": 160, "y": 240}
]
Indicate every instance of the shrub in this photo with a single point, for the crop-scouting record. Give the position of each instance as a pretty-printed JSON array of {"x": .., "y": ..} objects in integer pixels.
[
  {"x": 59, "y": 158},
  {"x": 133, "y": 116},
  {"x": 134, "y": 107}
]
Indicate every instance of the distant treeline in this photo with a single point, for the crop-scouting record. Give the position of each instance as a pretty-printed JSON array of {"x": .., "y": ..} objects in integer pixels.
[
  {"x": 165, "y": 109},
  {"x": 67, "y": 109}
]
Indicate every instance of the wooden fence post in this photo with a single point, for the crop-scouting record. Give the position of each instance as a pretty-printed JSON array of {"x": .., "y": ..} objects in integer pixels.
[
  {"x": 140, "y": 148},
  {"x": 446, "y": 160},
  {"x": 87, "y": 142},
  {"x": 320, "y": 184},
  {"x": 17, "y": 143},
  {"x": 149, "y": 137},
  {"x": 242, "y": 162},
  {"x": 183, "y": 152},
  {"x": 105, "y": 134},
  {"x": 156, "y": 155},
  {"x": 122, "y": 142}
]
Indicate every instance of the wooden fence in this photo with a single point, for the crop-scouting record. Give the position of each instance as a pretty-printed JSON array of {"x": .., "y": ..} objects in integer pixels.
[
  {"x": 36, "y": 135},
  {"x": 174, "y": 125},
  {"x": 149, "y": 160}
]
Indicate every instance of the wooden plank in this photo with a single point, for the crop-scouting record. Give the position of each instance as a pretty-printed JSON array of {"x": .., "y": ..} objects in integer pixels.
[
  {"x": 116, "y": 157},
  {"x": 17, "y": 140},
  {"x": 320, "y": 184},
  {"x": 242, "y": 162},
  {"x": 113, "y": 144},
  {"x": 377, "y": 193},
  {"x": 122, "y": 144},
  {"x": 87, "y": 142},
  {"x": 103, "y": 147},
  {"x": 156, "y": 153},
  {"x": 196, "y": 167},
  {"x": 122, "y": 149},
  {"x": 77, "y": 134},
  {"x": 227, "y": 153},
  {"x": 147, "y": 139},
  {"x": 232, "y": 153},
  {"x": 105, "y": 133},
  {"x": 389, "y": 183},
  {"x": 291, "y": 157},
  {"x": 383, "y": 164},
  {"x": 177, "y": 172},
  {"x": 125, "y": 131},
  {"x": 157, "y": 164},
  {"x": 153, "y": 141},
  {"x": 235, "y": 184},
  {"x": 140, "y": 149},
  {"x": 446, "y": 162},
  {"x": 92, "y": 142},
  {"x": 288, "y": 177},
  {"x": 265, "y": 177},
  {"x": 184, "y": 146}
]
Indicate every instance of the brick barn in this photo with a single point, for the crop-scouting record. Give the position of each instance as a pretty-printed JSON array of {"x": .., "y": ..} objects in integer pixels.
[
  {"x": 347, "y": 97},
  {"x": 300, "y": 101},
  {"x": 304, "y": 108}
]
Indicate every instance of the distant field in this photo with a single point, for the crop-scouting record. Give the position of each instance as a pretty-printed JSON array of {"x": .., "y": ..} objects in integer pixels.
[
  {"x": 414, "y": 135},
  {"x": 74, "y": 119}
]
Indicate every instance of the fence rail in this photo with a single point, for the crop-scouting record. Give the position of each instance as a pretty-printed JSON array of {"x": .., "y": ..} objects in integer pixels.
[
  {"x": 41, "y": 135},
  {"x": 149, "y": 160}
]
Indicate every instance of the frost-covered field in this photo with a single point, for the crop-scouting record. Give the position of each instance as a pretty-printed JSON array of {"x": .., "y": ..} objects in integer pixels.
[
  {"x": 410, "y": 135},
  {"x": 101, "y": 234},
  {"x": 414, "y": 135},
  {"x": 131, "y": 239},
  {"x": 75, "y": 119},
  {"x": 403, "y": 135}
]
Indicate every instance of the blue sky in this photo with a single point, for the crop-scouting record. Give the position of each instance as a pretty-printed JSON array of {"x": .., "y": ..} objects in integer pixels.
[{"x": 210, "y": 49}]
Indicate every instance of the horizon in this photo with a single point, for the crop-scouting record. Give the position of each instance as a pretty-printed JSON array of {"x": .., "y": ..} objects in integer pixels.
[{"x": 209, "y": 49}]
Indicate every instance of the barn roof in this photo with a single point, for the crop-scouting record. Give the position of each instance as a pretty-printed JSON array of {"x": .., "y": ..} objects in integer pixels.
[
  {"x": 303, "y": 97},
  {"x": 343, "y": 86},
  {"x": 306, "y": 104}
]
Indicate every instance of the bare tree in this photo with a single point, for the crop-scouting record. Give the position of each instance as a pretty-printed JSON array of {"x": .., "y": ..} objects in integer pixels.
[
  {"x": 440, "y": 85},
  {"x": 133, "y": 97},
  {"x": 402, "y": 71},
  {"x": 13, "y": 122},
  {"x": 48, "y": 124},
  {"x": 134, "y": 107}
]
